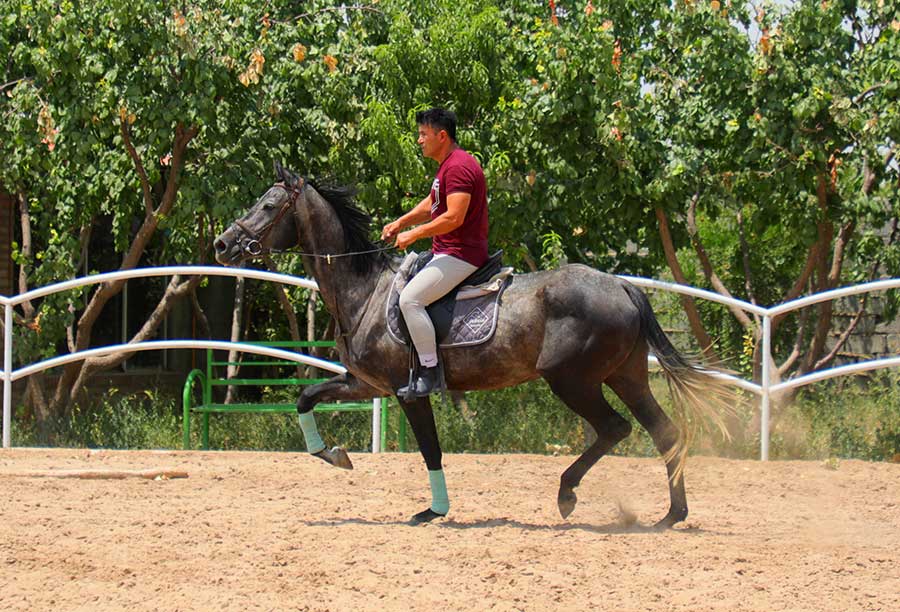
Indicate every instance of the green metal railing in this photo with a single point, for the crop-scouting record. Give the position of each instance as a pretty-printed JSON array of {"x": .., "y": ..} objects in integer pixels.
[{"x": 208, "y": 380}]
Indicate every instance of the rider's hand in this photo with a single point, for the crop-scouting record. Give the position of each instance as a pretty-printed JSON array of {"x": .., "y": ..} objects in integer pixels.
[
  {"x": 404, "y": 240},
  {"x": 390, "y": 230}
]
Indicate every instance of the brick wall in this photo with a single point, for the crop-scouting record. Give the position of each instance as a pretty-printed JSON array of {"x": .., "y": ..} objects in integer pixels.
[{"x": 874, "y": 336}]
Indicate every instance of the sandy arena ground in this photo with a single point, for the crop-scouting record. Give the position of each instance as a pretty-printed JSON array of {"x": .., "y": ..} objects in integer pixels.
[{"x": 278, "y": 531}]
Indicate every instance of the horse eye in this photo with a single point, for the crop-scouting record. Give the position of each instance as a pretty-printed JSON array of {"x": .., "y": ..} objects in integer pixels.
[{"x": 268, "y": 206}]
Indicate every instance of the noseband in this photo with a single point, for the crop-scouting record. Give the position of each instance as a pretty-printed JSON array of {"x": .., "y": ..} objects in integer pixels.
[{"x": 252, "y": 243}]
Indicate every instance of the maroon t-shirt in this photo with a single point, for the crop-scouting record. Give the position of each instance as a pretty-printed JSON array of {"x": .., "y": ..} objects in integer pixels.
[{"x": 461, "y": 173}]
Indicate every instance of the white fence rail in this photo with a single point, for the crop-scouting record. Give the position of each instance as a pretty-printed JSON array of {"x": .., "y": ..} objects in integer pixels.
[
  {"x": 765, "y": 389},
  {"x": 10, "y": 375}
]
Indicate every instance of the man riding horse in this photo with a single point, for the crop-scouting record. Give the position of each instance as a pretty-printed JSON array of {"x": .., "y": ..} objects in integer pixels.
[
  {"x": 579, "y": 329},
  {"x": 455, "y": 216}
]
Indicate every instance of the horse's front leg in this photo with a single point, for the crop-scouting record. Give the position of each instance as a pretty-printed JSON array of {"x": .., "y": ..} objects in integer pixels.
[
  {"x": 421, "y": 419},
  {"x": 344, "y": 387}
]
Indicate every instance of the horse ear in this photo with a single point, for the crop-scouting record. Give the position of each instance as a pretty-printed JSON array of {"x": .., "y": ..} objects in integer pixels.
[
  {"x": 290, "y": 179},
  {"x": 279, "y": 172}
]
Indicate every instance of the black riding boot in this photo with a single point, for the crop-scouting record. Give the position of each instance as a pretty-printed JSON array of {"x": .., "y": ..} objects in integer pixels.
[{"x": 429, "y": 381}]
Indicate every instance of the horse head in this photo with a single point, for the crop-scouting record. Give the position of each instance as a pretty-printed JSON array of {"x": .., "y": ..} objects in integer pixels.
[
  {"x": 321, "y": 217},
  {"x": 269, "y": 226}
]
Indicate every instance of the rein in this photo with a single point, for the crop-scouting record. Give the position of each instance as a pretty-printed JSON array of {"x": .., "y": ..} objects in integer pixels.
[
  {"x": 329, "y": 257},
  {"x": 252, "y": 245}
]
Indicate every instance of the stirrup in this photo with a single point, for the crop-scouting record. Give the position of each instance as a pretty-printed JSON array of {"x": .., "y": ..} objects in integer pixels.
[{"x": 424, "y": 384}]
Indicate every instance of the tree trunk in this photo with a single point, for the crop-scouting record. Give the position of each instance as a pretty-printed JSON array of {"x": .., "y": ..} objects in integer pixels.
[
  {"x": 39, "y": 407},
  {"x": 288, "y": 310},
  {"x": 311, "y": 327},
  {"x": 175, "y": 290},
  {"x": 237, "y": 317},
  {"x": 72, "y": 373},
  {"x": 687, "y": 302}
]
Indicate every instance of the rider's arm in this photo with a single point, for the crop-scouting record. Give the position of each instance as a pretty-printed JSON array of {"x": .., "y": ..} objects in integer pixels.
[
  {"x": 419, "y": 214},
  {"x": 457, "y": 205},
  {"x": 422, "y": 212}
]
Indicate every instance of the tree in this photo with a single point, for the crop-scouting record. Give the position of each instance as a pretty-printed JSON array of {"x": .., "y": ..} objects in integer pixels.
[
  {"x": 750, "y": 152},
  {"x": 111, "y": 105},
  {"x": 769, "y": 158}
]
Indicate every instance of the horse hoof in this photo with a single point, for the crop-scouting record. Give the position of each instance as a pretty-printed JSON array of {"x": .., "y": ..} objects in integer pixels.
[
  {"x": 566, "y": 502},
  {"x": 670, "y": 519},
  {"x": 425, "y": 516},
  {"x": 337, "y": 457}
]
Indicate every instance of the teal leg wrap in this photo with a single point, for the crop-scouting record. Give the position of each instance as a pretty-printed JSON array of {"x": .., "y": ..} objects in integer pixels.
[
  {"x": 314, "y": 442},
  {"x": 440, "y": 502}
]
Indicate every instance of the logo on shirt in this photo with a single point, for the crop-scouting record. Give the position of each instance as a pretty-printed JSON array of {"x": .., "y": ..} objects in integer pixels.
[{"x": 435, "y": 195}]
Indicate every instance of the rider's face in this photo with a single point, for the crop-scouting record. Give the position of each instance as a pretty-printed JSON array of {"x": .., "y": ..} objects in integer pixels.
[{"x": 431, "y": 140}]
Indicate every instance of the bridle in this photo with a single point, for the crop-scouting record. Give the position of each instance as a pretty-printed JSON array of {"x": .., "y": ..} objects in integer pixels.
[{"x": 251, "y": 242}]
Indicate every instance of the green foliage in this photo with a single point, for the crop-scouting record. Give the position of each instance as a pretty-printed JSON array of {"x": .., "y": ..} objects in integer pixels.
[
  {"x": 141, "y": 420},
  {"x": 552, "y": 253},
  {"x": 587, "y": 123},
  {"x": 871, "y": 430}
]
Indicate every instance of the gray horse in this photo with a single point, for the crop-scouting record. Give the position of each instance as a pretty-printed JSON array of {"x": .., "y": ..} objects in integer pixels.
[{"x": 575, "y": 327}]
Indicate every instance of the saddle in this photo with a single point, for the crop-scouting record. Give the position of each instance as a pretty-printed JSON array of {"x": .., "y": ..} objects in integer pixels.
[{"x": 466, "y": 315}]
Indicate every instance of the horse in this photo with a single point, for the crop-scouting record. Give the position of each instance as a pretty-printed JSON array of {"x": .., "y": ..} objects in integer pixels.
[{"x": 577, "y": 328}]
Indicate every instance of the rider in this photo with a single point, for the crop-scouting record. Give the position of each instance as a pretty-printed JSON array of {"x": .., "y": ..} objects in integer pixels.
[{"x": 455, "y": 216}]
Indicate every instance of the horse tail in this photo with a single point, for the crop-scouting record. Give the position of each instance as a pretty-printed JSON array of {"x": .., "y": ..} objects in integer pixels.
[{"x": 699, "y": 398}]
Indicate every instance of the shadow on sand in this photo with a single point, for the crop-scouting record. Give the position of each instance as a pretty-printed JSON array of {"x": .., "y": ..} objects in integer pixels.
[{"x": 608, "y": 529}]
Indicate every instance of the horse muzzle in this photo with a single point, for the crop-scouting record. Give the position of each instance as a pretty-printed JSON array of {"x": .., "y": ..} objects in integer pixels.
[{"x": 229, "y": 249}]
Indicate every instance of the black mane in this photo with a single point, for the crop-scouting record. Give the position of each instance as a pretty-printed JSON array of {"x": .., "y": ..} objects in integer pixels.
[{"x": 355, "y": 222}]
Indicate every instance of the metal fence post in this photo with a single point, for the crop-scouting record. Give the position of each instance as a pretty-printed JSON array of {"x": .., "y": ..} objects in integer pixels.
[
  {"x": 7, "y": 376},
  {"x": 766, "y": 384},
  {"x": 376, "y": 425}
]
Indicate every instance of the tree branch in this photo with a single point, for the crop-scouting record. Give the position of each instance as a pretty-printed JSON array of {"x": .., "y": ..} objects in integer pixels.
[
  {"x": 34, "y": 386},
  {"x": 687, "y": 302},
  {"x": 281, "y": 296},
  {"x": 138, "y": 165},
  {"x": 745, "y": 256},
  {"x": 873, "y": 274},
  {"x": 708, "y": 271},
  {"x": 25, "y": 222},
  {"x": 84, "y": 238},
  {"x": 798, "y": 342},
  {"x": 200, "y": 314},
  {"x": 860, "y": 97},
  {"x": 175, "y": 290},
  {"x": 840, "y": 246},
  {"x": 358, "y": 7},
  {"x": 11, "y": 83},
  {"x": 73, "y": 372},
  {"x": 803, "y": 279},
  {"x": 529, "y": 260},
  {"x": 183, "y": 137},
  {"x": 821, "y": 363}
]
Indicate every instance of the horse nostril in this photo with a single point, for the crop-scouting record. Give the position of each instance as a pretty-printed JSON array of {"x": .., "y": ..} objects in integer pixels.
[{"x": 220, "y": 246}]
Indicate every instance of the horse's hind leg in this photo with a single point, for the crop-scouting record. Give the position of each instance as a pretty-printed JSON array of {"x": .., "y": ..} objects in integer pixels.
[
  {"x": 586, "y": 399},
  {"x": 631, "y": 385}
]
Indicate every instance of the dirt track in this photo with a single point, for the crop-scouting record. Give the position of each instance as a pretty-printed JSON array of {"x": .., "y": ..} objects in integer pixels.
[{"x": 273, "y": 531}]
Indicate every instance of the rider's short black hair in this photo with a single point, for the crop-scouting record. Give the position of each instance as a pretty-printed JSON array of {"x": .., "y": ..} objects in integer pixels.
[{"x": 439, "y": 118}]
